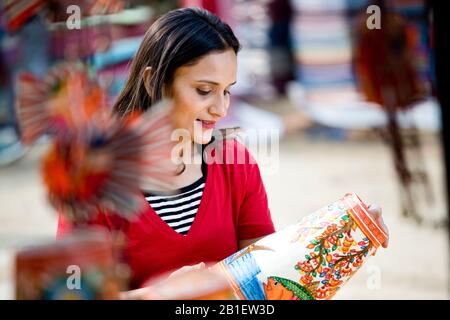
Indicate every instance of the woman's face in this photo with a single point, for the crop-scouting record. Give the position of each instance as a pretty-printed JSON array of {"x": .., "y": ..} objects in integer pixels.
[{"x": 200, "y": 93}]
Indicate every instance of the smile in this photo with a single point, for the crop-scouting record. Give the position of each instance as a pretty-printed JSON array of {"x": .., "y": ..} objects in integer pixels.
[{"x": 207, "y": 124}]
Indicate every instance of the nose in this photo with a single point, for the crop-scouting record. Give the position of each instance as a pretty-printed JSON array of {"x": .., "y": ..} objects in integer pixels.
[{"x": 220, "y": 107}]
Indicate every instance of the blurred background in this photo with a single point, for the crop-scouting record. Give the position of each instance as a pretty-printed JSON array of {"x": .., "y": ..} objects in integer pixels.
[{"x": 357, "y": 111}]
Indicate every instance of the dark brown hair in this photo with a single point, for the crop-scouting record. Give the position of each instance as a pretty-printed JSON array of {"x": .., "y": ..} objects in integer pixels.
[{"x": 177, "y": 38}]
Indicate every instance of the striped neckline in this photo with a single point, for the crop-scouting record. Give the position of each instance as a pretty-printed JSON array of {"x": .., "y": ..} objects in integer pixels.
[{"x": 179, "y": 210}]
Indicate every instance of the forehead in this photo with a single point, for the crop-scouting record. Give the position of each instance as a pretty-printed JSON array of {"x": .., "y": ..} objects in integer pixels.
[{"x": 220, "y": 67}]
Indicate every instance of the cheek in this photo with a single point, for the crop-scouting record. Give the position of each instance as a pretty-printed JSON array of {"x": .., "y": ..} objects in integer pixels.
[{"x": 188, "y": 106}]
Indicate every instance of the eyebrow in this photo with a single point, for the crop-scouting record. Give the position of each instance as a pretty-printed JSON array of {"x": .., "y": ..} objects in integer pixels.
[{"x": 213, "y": 82}]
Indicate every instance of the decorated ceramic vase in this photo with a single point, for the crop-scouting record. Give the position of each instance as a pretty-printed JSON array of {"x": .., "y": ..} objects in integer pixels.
[{"x": 310, "y": 260}]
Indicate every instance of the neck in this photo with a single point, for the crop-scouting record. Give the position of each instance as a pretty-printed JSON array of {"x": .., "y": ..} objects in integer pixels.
[{"x": 190, "y": 153}]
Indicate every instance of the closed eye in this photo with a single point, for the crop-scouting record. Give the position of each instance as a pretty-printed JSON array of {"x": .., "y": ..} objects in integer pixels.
[{"x": 202, "y": 92}]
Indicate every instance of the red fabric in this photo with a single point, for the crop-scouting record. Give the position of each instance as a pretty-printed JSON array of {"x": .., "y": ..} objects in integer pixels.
[
  {"x": 210, "y": 5},
  {"x": 234, "y": 207}
]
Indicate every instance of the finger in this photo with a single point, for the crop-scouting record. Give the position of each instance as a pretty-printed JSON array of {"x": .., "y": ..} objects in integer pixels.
[
  {"x": 385, "y": 244},
  {"x": 383, "y": 225},
  {"x": 199, "y": 265},
  {"x": 385, "y": 229},
  {"x": 375, "y": 210},
  {"x": 381, "y": 222},
  {"x": 180, "y": 271}
]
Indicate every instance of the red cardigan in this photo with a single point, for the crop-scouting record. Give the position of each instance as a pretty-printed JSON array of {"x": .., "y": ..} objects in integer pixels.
[{"x": 233, "y": 207}]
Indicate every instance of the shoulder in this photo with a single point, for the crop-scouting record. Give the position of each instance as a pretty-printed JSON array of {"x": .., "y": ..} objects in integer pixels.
[
  {"x": 230, "y": 151},
  {"x": 232, "y": 162}
]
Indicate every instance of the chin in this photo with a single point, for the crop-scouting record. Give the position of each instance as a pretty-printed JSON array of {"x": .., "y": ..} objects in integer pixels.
[{"x": 203, "y": 138}]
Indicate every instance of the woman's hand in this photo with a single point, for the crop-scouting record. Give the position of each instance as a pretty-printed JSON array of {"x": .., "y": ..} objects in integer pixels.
[
  {"x": 375, "y": 211},
  {"x": 184, "y": 269},
  {"x": 146, "y": 292}
]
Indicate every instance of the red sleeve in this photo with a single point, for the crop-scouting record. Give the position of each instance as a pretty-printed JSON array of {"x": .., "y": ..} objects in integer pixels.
[{"x": 254, "y": 219}]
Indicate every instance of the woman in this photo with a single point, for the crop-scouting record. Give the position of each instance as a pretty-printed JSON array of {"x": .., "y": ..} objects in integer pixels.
[{"x": 190, "y": 56}]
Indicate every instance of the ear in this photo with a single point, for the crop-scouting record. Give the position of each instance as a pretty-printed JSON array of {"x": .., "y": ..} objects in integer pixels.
[{"x": 147, "y": 75}]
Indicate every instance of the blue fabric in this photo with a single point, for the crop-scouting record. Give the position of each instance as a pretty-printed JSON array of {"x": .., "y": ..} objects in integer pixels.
[{"x": 120, "y": 51}]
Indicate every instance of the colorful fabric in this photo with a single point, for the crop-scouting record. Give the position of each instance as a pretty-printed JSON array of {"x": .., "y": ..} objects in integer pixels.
[{"x": 17, "y": 12}]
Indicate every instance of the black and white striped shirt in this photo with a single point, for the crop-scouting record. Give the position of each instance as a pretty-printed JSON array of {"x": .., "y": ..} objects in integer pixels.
[{"x": 179, "y": 210}]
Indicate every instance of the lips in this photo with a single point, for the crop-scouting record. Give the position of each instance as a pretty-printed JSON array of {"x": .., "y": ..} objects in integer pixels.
[{"x": 207, "y": 124}]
